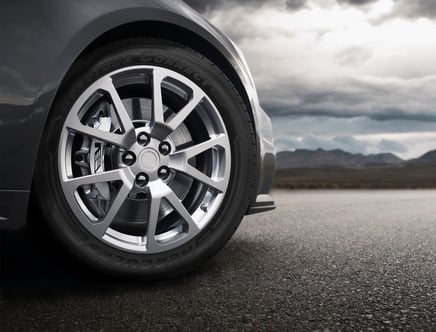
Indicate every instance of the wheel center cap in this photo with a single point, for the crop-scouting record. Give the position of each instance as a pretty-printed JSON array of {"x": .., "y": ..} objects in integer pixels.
[{"x": 149, "y": 160}]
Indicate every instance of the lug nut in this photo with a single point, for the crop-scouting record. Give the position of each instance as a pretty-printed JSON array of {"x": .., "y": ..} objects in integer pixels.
[
  {"x": 128, "y": 158},
  {"x": 143, "y": 138},
  {"x": 165, "y": 148},
  {"x": 141, "y": 180},
  {"x": 164, "y": 172}
]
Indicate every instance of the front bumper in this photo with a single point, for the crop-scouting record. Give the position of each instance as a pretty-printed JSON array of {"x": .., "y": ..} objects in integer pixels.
[
  {"x": 267, "y": 159},
  {"x": 263, "y": 203}
]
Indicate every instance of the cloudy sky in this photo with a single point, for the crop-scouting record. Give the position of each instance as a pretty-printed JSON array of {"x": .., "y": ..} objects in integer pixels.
[{"x": 359, "y": 75}]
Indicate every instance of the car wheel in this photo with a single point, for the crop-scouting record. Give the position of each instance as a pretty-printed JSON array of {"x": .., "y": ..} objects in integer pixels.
[{"x": 148, "y": 160}]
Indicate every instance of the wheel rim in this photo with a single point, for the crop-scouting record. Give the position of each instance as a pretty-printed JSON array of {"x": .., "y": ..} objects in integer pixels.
[{"x": 144, "y": 159}]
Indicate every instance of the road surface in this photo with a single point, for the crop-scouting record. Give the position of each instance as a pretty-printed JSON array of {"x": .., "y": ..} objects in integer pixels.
[{"x": 324, "y": 260}]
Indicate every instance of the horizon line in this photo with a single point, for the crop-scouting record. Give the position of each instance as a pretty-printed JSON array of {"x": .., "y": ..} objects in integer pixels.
[{"x": 354, "y": 153}]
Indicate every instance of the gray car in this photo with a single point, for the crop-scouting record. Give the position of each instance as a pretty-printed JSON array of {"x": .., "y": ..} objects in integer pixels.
[{"x": 133, "y": 128}]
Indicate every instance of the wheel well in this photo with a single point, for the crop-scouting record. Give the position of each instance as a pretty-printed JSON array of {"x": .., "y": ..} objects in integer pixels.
[{"x": 177, "y": 34}]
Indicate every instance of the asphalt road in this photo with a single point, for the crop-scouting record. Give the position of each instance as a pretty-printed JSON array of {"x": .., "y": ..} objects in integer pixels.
[{"x": 336, "y": 260}]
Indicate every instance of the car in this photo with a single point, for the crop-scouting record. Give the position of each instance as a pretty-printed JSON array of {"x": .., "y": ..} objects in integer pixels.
[{"x": 133, "y": 128}]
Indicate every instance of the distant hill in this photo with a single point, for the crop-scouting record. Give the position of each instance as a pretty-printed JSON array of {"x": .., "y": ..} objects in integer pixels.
[
  {"x": 335, "y": 169},
  {"x": 427, "y": 159},
  {"x": 334, "y": 158}
]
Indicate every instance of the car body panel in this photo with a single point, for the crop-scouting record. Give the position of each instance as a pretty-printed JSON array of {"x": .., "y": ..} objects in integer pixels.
[{"x": 41, "y": 41}]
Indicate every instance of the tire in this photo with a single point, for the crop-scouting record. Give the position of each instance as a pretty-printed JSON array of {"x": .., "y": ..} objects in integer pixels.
[{"x": 143, "y": 220}]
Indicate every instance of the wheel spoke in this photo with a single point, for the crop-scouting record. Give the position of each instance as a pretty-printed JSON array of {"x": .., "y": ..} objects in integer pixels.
[
  {"x": 175, "y": 202},
  {"x": 192, "y": 151},
  {"x": 159, "y": 190},
  {"x": 109, "y": 176},
  {"x": 181, "y": 116},
  {"x": 152, "y": 222},
  {"x": 187, "y": 169},
  {"x": 100, "y": 229},
  {"x": 124, "y": 140},
  {"x": 101, "y": 135},
  {"x": 124, "y": 118},
  {"x": 157, "y": 109}
]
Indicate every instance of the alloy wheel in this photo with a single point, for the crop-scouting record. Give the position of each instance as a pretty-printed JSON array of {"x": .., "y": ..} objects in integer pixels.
[{"x": 144, "y": 159}]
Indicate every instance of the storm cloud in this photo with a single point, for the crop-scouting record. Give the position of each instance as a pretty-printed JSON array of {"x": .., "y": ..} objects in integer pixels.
[
  {"x": 203, "y": 6},
  {"x": 414, "y": 9},
  {"x": 343, "y": 59}
]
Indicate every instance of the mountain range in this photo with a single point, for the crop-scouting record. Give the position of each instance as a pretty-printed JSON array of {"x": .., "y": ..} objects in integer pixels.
[{"x": 320, "y": 158}]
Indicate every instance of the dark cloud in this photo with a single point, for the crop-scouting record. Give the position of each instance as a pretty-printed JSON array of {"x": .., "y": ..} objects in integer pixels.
[
  {"x": 403, "y": 8},
  {"x": 356, "y": 2},
  {"x": 205, "y": 5},
  {"x": 295, "y": 4},
  {"x": 338, "y": 110},
  {"x": 414, "y": 9},
  {"x": 325, "y": 126},
  {"x": 377, "y": 99}
]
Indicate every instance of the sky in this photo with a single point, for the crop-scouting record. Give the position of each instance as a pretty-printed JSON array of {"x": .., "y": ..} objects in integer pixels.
[{"x": 359, "y": 75}]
